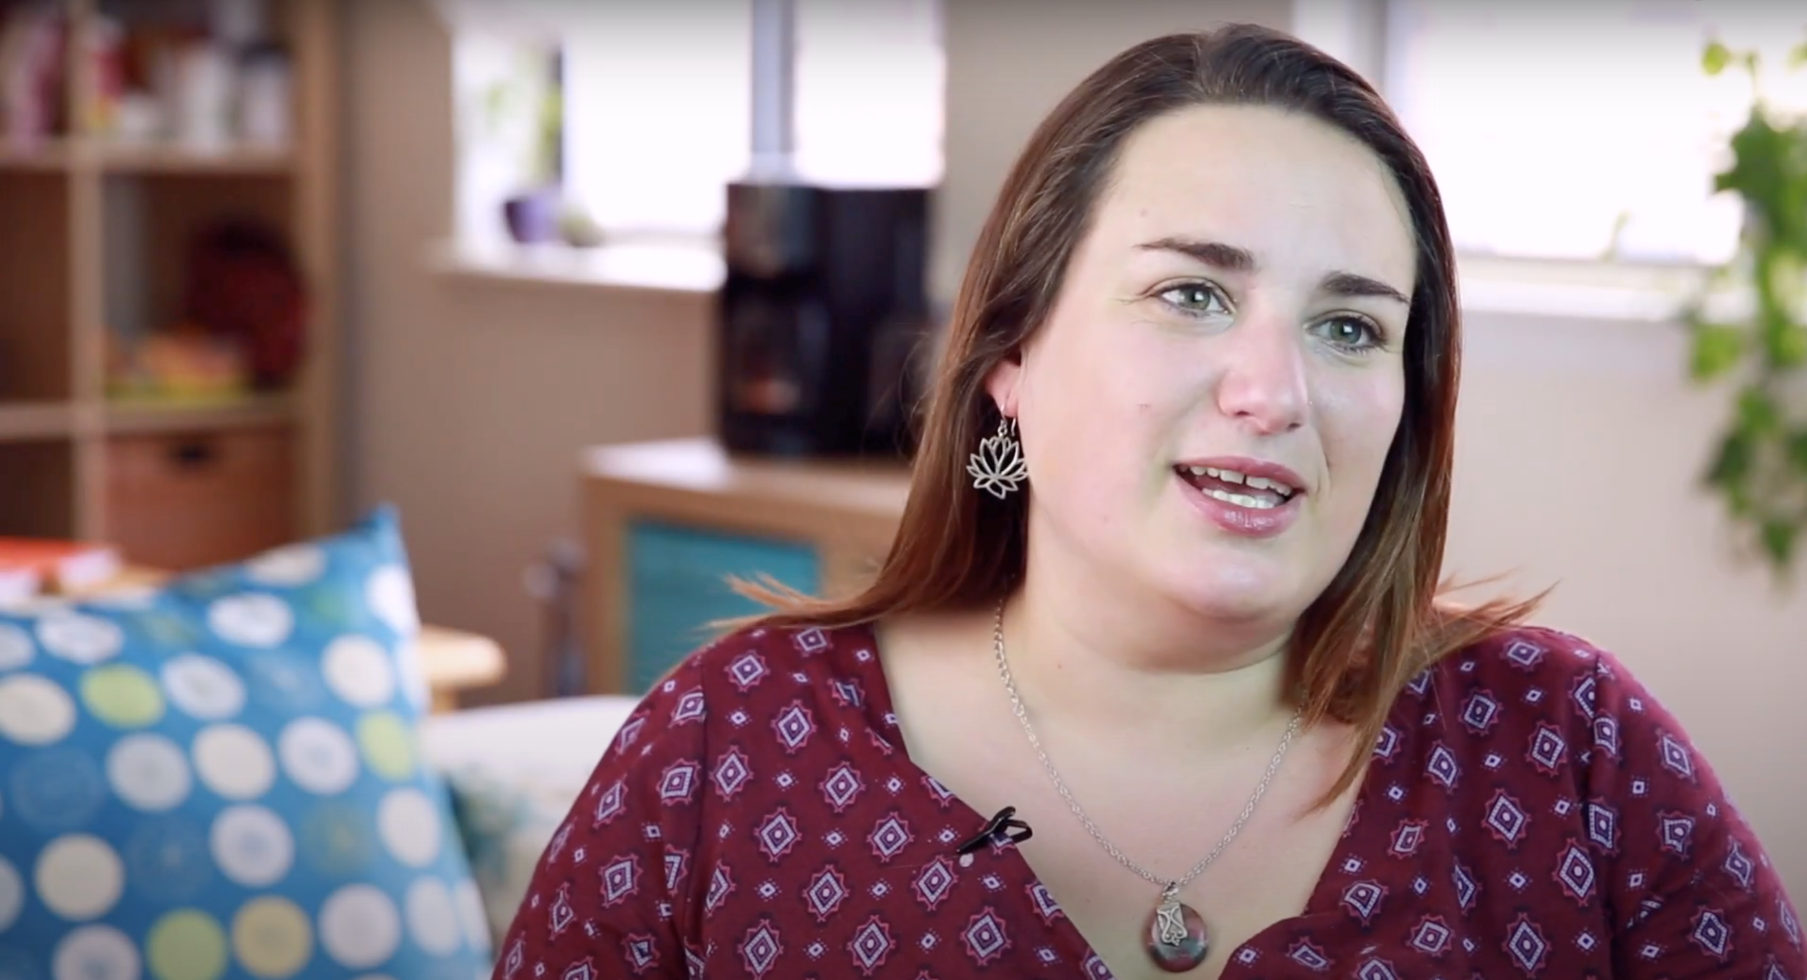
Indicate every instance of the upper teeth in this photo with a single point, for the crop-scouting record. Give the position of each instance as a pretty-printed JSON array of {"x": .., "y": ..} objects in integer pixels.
[{"x": 1253, "y": 482}]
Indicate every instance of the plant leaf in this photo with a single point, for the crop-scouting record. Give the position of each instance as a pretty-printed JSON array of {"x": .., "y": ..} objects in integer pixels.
[
  {"x": 1758, "y": 413},
  {"x": 1717, "y": 348},
  {"x": 1779, "y": 540},
  {"x": 1791, "y": 346},
  {"x": 1714, "y": 59},
  {"x": 1797, "y": 450},
  {"x": 1732, "y": 463}
]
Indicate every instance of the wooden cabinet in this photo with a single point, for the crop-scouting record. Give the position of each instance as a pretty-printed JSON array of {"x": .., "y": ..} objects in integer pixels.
[{"x": 666, "y": 523}]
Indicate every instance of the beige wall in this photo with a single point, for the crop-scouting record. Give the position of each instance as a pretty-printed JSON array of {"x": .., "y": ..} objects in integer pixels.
[
  {"x": 469, "y": 401},
  {"x": 1579, "y": 443}
]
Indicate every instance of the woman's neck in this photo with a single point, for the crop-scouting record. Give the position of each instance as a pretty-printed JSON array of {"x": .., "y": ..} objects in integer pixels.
[{"x": 1106, "y": 656}]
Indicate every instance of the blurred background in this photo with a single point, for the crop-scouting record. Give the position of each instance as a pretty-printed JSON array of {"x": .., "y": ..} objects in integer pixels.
[{"x": 611, "y": 299}]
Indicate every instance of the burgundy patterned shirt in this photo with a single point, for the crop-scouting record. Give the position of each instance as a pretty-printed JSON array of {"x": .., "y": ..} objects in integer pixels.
[{"x": 1531, "y": 812}]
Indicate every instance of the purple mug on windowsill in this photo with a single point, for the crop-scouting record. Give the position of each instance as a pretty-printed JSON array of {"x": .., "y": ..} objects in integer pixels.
[{"x": 533, "y": 217}]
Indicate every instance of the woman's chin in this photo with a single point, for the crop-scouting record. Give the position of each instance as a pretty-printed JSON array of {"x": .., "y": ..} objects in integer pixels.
[{"x": 1238, "y": 591}]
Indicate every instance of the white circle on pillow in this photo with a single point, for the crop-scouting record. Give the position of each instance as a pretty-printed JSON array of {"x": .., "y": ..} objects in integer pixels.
[
  {"x": 149, "y": 772},
  {"x": 79, "y": 877},
  {"x": 12, "y": 895},
  {"x": 318, "y": 756},
  {"x": 34, "y": 711},
  {"x": 96, "y": 953},
  {"x": 390, "y": 592},
  {"x": 409, "y": 824},
  {"x": 359, "y": 926},
  {"x": 432, "y": 918},
  {"x": 203, "y": 687},
  {"x": 80, "y": 638},
  {"x": 471, "y": 914},
  {"x": 411, "y": 674},
  {"x": 16, "y": 648},
  {"x": 296, "y": 564},
  {"x": 252, "y": 846},
  {"x": 233, "y": 762},
  {"x": 251, "y": 620},
  {"x": 359, "y": 671}
]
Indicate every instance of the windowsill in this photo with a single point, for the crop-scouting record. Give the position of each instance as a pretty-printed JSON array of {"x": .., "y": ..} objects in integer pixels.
[
  {"x": 1620, "y": 292},
  {"x": 683, "y": 267}
]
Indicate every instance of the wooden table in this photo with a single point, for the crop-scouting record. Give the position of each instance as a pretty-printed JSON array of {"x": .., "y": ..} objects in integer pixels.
[{"x": 455, "y": 661}]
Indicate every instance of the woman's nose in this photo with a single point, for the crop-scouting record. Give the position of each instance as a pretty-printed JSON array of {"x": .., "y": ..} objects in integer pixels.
[{"x": 1264, "y": 383}]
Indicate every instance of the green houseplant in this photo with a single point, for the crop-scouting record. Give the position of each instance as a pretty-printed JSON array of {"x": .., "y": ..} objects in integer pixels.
[{"x": 1759, "y": 467}]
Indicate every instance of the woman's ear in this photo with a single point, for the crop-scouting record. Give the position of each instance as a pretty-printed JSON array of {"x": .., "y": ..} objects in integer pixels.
[{"x": 1002, "y": 384}]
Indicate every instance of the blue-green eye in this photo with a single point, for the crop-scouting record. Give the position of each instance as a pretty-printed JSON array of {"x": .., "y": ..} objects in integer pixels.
[
  {"x": 1352, "y": 333},
  {"x": 1195, "y": 298}
]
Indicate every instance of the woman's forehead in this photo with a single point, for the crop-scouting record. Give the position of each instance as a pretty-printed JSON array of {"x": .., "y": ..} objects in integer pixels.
[{"x": 1283, "y": 186}]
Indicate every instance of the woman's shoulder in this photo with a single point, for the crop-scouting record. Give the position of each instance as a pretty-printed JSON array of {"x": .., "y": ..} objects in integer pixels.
[
  {"x": 1549, "y": 700},
  {"x": 759, "y": 654},
  {"x": 1531, "y": 671},
  {"x": 761, "y": 669},
  {"x": 1540, "y": 707}
]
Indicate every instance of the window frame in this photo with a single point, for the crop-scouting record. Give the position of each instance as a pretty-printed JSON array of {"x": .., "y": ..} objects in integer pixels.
[{"x": 1358, "y": 32}]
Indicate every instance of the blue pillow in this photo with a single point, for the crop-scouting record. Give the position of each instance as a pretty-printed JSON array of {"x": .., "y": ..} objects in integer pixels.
[{"x": 220, "y": 779}]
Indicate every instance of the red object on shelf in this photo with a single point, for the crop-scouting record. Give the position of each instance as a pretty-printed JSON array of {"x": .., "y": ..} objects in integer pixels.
[{"x": 243, "y": 283}]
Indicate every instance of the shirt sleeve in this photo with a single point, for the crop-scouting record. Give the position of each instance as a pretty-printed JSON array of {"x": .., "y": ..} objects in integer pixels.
[
  {"x": 1689, "y": 888},
  {"x": 611, "y": 894}
]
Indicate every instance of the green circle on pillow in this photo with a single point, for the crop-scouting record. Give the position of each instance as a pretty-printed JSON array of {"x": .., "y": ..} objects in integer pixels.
[
  {"x": 388, "y": 745},
  {"x": 122, "y": 696},
  {"x": 272, "y": 938},
  {"x": 186, "y": 945}
]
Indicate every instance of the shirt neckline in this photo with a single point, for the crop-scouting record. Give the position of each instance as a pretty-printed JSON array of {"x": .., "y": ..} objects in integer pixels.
[{"x": 1322, "y": 905}]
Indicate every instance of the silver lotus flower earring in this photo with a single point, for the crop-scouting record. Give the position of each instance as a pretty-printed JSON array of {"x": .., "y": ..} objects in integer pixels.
[{"x": 998, "y": 467}]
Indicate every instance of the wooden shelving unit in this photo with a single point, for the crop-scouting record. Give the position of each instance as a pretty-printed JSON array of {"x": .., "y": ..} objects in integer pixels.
[{"x": 74, "y": 463}]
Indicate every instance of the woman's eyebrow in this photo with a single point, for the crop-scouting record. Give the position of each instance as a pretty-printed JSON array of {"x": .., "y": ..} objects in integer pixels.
[{"x": 1235, "y": 258}]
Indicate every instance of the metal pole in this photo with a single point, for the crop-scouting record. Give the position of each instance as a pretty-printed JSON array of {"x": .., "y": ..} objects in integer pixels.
[{"x": 774, "y": 85}]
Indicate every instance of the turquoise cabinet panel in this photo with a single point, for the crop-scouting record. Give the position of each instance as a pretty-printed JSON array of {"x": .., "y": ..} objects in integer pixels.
[{"x": 677, "y": 584}]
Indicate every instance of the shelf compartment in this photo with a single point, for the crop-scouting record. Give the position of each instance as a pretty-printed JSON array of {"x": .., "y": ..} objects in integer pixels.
[
  {"x": 150, "y": 225},
  {"x": 34, "y": 288},
  {"x": 37, "y": 489}
]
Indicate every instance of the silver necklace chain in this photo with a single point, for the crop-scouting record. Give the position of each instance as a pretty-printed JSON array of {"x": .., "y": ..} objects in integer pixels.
[{"x": 1169, "y": 887}]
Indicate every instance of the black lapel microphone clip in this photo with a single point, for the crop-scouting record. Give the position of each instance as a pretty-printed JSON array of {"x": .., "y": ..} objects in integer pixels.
[{"x": 1002, "y": 823}]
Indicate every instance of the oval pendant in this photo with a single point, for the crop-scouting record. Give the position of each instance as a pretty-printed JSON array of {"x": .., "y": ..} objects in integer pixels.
[{"x": 1176, "y": 936}]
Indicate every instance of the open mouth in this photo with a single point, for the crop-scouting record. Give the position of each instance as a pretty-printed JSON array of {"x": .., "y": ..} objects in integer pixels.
[{"x": 1237, "y": 489}]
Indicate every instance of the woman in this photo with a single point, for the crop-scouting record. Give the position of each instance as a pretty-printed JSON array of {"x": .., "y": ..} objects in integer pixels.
[{"x": 1152, "y": 680}]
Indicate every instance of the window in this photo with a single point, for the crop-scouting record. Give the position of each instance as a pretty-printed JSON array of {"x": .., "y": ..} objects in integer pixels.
[
  {"x": 657, "y": 112},
  {"x": 657, "y": 105},
  {"x": 870, "y": 91},
  {"x": 1574, "y": 130}
]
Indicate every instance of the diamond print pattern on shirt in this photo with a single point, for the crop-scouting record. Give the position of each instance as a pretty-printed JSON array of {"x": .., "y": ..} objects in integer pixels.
[{"x": 1517, "y": 795}]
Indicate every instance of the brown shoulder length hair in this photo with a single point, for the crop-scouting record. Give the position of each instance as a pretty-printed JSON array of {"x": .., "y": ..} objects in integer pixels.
[{"x": 1379, "y": 623}]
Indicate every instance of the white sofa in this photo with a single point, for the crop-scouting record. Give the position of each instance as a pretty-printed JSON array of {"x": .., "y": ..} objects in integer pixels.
[{"x": 515, "y": 770}]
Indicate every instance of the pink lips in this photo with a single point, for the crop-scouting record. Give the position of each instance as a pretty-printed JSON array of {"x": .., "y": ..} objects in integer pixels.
[
  {"x": 1245, "y": 521},
  {"x": 1250, "y": 467}
]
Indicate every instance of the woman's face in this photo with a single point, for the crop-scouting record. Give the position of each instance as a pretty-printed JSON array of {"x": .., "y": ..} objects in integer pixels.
[{"x": 1209, "y": 407}]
